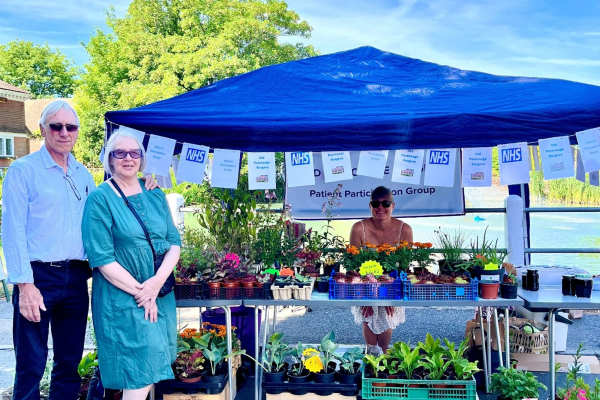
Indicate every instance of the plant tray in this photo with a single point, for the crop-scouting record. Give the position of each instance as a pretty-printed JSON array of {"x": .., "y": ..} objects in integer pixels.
[
  {"x": 366, "y": 291},
  {"x": 237, "y": 293},
  {"x": 173, "y": 385},
  {"x": 310, "y": 387},
  {"x": 188, "y": 291},
  {"x": 438, "y": 291},
  {"x": 523, "y": 342},
  {"x": 372, "y": 388}
]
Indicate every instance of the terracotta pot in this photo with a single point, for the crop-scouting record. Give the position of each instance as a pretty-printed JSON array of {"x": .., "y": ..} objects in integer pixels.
[
  {"x": 190, "y": 379},
  {"x": 248, "y": 289},
  {"x": 232, "y": 289},
  {"x": 489, "y": 290},
  {"x": 214, "y": 289}
]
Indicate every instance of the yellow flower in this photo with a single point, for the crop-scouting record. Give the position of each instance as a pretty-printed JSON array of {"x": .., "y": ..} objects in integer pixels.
[
  {"x": 314, "y": 364},
  {"x": 310, "y": 352}
]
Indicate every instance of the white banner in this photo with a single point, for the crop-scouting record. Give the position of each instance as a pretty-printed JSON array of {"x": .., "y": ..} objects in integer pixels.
[
  {"x": 159, "y": 154},
  {"x": 261, "y": 171},
  {"x": 557, "y": 158},
  {"x": 225, "y": 169},
  {"x": 477, "y": 167},
  {"x": 336, "y": 166},
  {"x": 411, "y": 200},
  {"x": 589, "y": 146},
  {"x": 372, "y": 163},
  {"x": 408, "y": 165},
  {"x": 513, "y": 160},
  {"x": 439, "y": 167},
  {"x": 299, "y": 167},
  {"x": 193, "y": 163}
]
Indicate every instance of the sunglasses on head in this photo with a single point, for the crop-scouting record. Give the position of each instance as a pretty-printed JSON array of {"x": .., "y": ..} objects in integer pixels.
[
  {"x": 384, "y": 203},
  {"x": 121, "y": 154},
  {"x": 59, "y": 127}
]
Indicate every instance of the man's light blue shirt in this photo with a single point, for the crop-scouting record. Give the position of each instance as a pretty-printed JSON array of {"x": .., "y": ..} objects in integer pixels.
[{"x": 41, "y": 213}]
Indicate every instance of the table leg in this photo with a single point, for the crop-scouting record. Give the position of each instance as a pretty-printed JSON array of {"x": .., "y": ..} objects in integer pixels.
[
  {"x": 489, "y": 341},
  {"x": 229, "y": 349},
  {"x": 551, "y": 323},
  {"x": 256, "y": 353},
  {"x": 507, "y": 337},
  {"x": 498, "y": 336},
  {"x": 264, "y": 344},
  {"x": 274, "y": 317},
  {"x": 483, "y": 349}
]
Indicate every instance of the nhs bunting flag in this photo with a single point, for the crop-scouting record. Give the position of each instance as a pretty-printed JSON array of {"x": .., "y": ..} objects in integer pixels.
[
  {"x": 557, "y": 158},
  {"x": 336, "y": 166},
  {"x": 299, "y": 168},
  {"x": 159, "y": 154},
  {"x": 192, "y": 163},
  {"x": 261, "y": 171},
  {"x": 372, "y": 163},
  {"x": 589, "y": 146},
  {"x": 514, "y": 163},
  {"x": 439, "y": 167},
  {"x": 225, "y": 169},
  {"x": 408, "y": 165},
  {"x": 477, "y": 167}
]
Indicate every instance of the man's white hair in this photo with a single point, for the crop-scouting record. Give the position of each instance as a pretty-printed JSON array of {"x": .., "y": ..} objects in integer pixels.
[
  {"x": 110, "y": 146},
  {"x": 55, "y": 107}
]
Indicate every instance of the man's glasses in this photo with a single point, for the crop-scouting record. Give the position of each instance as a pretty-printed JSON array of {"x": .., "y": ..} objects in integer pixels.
[
  {"x": 121, "y": 154},
  {"x": 384, "y": 203},
  {"x": 59, "y": 127},
  {"x": 72, "y": 184}
]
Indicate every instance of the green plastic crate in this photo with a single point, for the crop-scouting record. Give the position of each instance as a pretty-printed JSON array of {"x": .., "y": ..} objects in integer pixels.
[{"x": 418, "y": 389}]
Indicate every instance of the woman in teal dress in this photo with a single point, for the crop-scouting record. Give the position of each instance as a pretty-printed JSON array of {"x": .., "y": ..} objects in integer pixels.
[{"x": 135, "y": 330}]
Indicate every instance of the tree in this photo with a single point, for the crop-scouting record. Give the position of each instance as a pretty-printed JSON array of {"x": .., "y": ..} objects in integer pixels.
[
  {"x": 38, "y": 69},
  {"x": 162, "y": 48}
]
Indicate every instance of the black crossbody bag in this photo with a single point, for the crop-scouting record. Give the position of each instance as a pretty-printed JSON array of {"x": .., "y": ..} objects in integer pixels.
[{"x": 158, "y": 259}]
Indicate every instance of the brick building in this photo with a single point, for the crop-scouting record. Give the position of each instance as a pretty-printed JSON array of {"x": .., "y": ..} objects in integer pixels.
[{"x": 14, "y": 135}]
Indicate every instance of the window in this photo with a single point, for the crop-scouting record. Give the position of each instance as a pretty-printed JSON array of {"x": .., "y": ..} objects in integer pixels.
[{"x": 7, "y": 147}]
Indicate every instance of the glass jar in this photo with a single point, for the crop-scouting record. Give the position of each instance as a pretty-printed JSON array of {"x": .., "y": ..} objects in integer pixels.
[
  {"x": 568, "y": 285},
  {"x": 533, "y": 280}
]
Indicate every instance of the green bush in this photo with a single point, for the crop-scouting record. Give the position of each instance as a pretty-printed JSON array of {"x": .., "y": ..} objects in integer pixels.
[{"x": 568, "y": 190}]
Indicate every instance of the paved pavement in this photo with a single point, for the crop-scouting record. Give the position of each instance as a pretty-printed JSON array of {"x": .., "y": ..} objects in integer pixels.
[{"x": 309, "y": 327}]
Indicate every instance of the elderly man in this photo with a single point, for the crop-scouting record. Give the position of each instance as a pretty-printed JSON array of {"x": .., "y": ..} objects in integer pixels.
[{"x": 44, "y": 196}]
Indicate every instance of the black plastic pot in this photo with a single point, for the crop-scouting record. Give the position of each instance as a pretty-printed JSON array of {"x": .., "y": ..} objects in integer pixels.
[
  {"x": 323, "y": 286},
  {"x": 508, "y": 290},
  {"x": 480, "y": 272},
  {"x": 274, "y": 377},
  {"x": 295, "y": 380}
]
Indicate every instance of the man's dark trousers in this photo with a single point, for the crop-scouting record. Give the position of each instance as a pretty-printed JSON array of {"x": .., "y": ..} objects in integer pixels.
[{"x": 65, "y": 294}]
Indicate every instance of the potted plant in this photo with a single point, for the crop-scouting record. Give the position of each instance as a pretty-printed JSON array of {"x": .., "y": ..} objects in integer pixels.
[
  {"x": 515, "y": 384},
  {"x": 327, "y": 348},
  {"x": 189, "y": 365},
  {"x": 349, "y": 372},
  {"x": 450, "y": 244},
  {"x": 453, "y": 354},
  {"x": 323, "y": 284},
  {"x": 486, "y": 260},
  {"x": 430, "y": 346},
  {"x": 298, "y": 373},
  {"x": 576, "y": 388},
  {"x": 509, "y": 287},
  {"x": 436, "y": 366}
]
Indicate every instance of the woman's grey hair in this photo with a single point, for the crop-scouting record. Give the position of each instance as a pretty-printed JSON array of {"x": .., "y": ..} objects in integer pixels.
[
  {"x": 381, "y": 192},
  {"x": 55, "y": 107},
  {"x": 110, "y": 146}
]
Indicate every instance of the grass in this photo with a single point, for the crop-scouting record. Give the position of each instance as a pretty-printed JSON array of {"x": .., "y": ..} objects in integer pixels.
[{"x": 566, "y": 191}]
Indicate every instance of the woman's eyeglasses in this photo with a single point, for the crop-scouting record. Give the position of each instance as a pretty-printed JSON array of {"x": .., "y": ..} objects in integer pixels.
[
  {"x": 121, "y": 154},
  {"x": 59, "y": 127},
  {"x": 384, "y": 203}
]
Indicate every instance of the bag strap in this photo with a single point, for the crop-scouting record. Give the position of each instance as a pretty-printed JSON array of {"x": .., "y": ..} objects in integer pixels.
[{"x": 136, "y": 215}]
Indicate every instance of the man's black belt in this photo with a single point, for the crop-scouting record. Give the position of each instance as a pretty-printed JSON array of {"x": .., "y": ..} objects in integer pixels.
[{"x": 65, "y": 263}]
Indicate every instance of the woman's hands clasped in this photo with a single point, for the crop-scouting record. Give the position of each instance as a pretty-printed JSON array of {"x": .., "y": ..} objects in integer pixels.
[{"x": 146, "y": 297}]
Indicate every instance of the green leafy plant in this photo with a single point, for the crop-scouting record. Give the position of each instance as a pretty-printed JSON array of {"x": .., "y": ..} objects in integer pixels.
[
  {"x": 430, "y": 346},
  {"x": 275, "y": 352},
  {"x": 296, "y": 352},
  {"x": 375, "y": 363},
  {"x": 411, "y": 360},
  {"x": 88, "y": 364},
  {"x": 464, "y": 369},
  {"x": 435, "y": 364},
  {"x": 348, "y": 360},
  {"x": 576, "y": 388},
  {"x": 391, "y": 365},
  {"x": 456, "y": 354},
  {"x": 328, "y": 348},
  {"x": 450, "y": 244},
  {"x": 515, "y": 384}
]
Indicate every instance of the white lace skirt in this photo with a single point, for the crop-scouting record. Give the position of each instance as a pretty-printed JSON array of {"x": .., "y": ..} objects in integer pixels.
[{"x": 380, "y": 321}]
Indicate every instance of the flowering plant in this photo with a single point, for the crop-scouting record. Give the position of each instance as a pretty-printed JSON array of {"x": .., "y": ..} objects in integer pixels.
[
  {"x": 486, "y": 255},
  {"x": 311, "y": 358},
  {"x": 391, "y": 257},
  {"x": 576, "y": 388},
  {"x": 188, "y": 364}
]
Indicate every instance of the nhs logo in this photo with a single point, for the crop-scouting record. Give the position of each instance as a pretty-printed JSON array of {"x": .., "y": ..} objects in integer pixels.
[
  {"x": 300, "y": 158},
  {"x": 511, "y": 155},
  {"x": 439, "y": 157},
  {"x": 195, "y": 155}
]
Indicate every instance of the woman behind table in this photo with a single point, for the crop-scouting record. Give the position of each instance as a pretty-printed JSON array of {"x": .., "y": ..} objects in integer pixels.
[
  {"x": 135, "y": 329},
  {"x": 381, "y": 228}
]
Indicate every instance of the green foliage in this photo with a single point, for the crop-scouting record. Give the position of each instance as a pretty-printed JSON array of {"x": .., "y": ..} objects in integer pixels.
[
  {"x": 567, "y": 190},
  {"x": 274, "y": 353},
  {"x": 43, "y": 72},
  {"x": 328, "y": 347},
  {"x": 348, "y": 359},
  {"x": 435, "y": 365},
  {"x": 450, "y": 243},
  {"x": 515, "y": 384},
  {"x": 430, "y": 346},
  {"x": 87, "y": 365},
  {"x": 576, "y": 387},
  {"x": 375, "y": 363},
  {"x": 411, "y": 360},
  {"x": 296, "y": 352},
  {"x": 162, "y": 48}
]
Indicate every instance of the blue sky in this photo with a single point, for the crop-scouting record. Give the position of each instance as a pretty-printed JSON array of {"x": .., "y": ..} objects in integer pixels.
[{"x": 544, "y": 38}]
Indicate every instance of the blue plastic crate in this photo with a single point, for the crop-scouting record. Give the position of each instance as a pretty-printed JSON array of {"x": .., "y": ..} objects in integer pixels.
[
  {"x": 444, "y": 291},
  {"x": 365, "y": 291}
]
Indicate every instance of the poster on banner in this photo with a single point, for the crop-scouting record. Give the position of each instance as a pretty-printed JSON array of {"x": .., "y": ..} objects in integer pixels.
[
  {"x": 439, "y": 167},
  {"x": 589, "y": 146},
  {"x": 336, "y": 166},
  {"x": 557, "y": 158},
  {"x": 192, "y": 163},
  {"x": 299, "y": 167},
  {"x": 372, "y": 163},
  {"x": 408, "y": 165},
  {"x": 138, "y": 134},
  {"x": 513, "y": 160},
  {"x": 477, "y": 167},
  {"x": 225, "y": 169},
  {"x": 412, "y": 200},
  {"x": 261, "y": 171},
  {"x": 159, "y": 154}
]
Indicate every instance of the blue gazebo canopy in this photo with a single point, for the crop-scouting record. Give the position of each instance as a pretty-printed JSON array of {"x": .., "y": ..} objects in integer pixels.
[{"x": 368, "y": 99}]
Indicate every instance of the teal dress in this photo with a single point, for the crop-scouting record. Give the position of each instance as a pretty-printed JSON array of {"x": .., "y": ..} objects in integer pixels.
[{"x": 132, "y": 352}]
